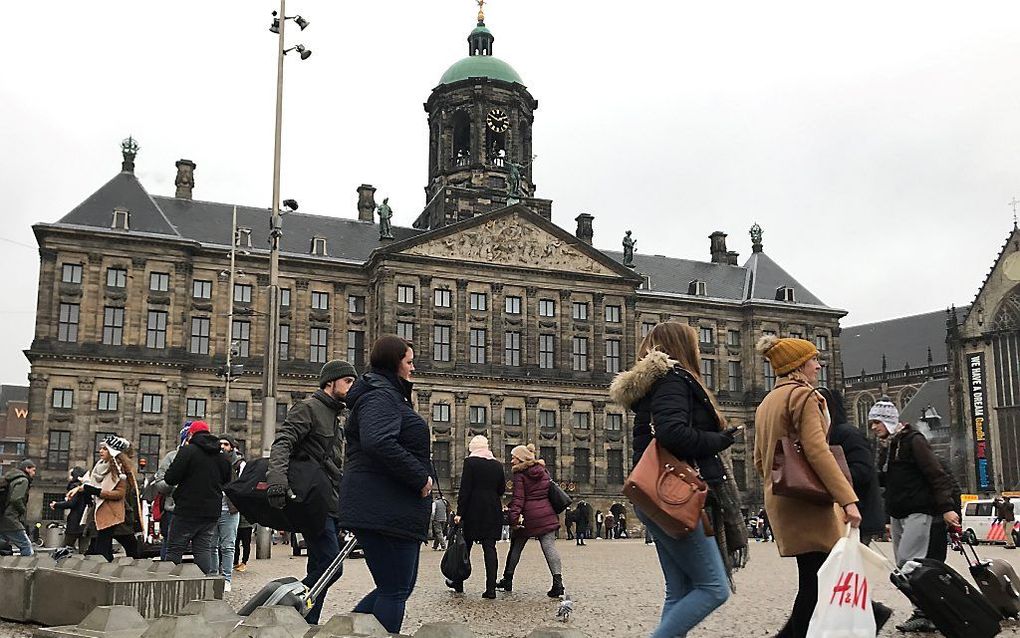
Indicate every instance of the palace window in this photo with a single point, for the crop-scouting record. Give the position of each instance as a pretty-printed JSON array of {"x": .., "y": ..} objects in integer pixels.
[
  {"x": 116, "y": 278},
  {"x": 546, "y": 308},
  {"x": 478, "y": 415},
  {"x": 405, "y": 294},
  {"x": 355, "y": 304},
  {"x": 108, "y": 401},
  {"x": 284, "y": 342},
  {"x": 113, "y": 326},
  {"x": 58, "y": 450},
  {"x": 356, "y": 348},
  {"x": 580, "y": 310},
  {"x": 546, "y": 352},
  {"x": 318, "y": 345},
  {"x": 706, "y": 336},
  {"x": 547, "y": 419},
  {"x": 320, "y": 300},
  {"x": 548, "y": 454},
  {"x": 240, "y": 334},
  {"x": 441, "y": 413},
  {"x": 63, "y": 399},
  {"x": 441, "y": 459},
  {"x": 71, "y": 273},
  {"x": 512, "y": 348},
  {"x": 281, "y": 412},
  {"x": 237, "y": 410},
  {"x": 199, "y": 335},
  {"x": 155, "y": 330},
  {"x": 736, "y": 379},
  {"x": 242, "y": 293},
  {"x": 121, "y": 219},
  {"x": 582, "y": 420},
  {"x": 319, "y": 246},
  {"x": 195, "y": 409},
  {"x": 769, "y": 373},
  {"x": 512, "y": 416},
  {"x": 405, "y": 330},
  {"x": 582, "y": 465},
  {"x": 822, "y": 342},
  {"x": 580, "y": 358},
  {"x": 148, "y": 449},
  {"x": 708, "y": 373},
  {"x": 513, "y": 305},
  {"x": 697, "y": 288},
  {"x": 476, "y": 351},
  {"x": 785, "y": 293},
  {"x": 201, "y": 289},
  {"x": 614, "y": 422},
  {"x": 442, "y": 298},
  {"x": 614, "y": 469},
  {"x": 152, "y": 404},
  {"x": 733, "y": 338},
  {"x": 159, "y": 281},
  {"x": 612, "y": 314},
  {"x": 479, "y": 301},
  {"x": 646, "y": 327},
  {"x": 285, "y": 297},
  {"x": 67, "y": 328},
  {"x": 612, "y": 355},
  {"x": 442, "y": 336},
  {"x": 823, "y": 378}
]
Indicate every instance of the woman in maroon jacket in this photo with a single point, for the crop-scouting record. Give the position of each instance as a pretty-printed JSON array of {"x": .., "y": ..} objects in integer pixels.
[{"x": 531, "y": 515}]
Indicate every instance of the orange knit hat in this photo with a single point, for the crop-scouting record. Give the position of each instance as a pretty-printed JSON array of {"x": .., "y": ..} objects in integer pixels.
[{"x": 786, "y": 355}]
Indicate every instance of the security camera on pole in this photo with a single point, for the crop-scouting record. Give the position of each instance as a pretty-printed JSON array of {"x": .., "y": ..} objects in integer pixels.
[{"x": 264, "y": 540}]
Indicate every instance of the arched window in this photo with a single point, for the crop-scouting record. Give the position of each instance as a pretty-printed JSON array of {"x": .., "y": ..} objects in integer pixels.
[
  {"x": 461, "y": 139},
  {"x": 864, "y": 403},
  {"x": 905, "y": 396}
]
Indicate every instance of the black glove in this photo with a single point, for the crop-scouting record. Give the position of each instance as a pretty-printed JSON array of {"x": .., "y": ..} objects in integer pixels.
[
  {"x": 277, "y": 496},
  {"x": 727, "y": 438},
  {"x": 91, "y": 490}
]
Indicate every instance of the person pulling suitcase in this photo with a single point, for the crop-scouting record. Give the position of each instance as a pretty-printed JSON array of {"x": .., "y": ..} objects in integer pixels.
[{"x": 311, "y": 431}]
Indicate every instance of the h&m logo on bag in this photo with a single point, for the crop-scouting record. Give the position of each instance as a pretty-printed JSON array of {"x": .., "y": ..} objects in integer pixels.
[{"x": 850, "y": 590}]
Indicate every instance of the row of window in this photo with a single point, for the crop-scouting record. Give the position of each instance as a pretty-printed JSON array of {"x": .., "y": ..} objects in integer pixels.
[
  {"x": 109, "y": 401},
  {"x": 58, "y": 449},
  {"x": 479, "y": 415},
  {"x": 580, "y": 470}
]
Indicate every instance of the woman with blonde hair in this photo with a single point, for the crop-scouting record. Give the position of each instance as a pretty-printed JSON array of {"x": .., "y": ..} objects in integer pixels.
[
  {"x": 118, "y": 509},
  {"x": 531, "y": 515},
  {"x": 672, "y": 405},
  {"x": 803, "y": 529}
]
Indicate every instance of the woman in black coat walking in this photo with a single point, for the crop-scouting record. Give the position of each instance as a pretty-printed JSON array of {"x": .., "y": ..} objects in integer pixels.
[
  {"x": 480, "y": 509},
  {"x": 385, "y": 494},
  {"x": 75, "y": 503},
  {"x": 864, "y": 476}
]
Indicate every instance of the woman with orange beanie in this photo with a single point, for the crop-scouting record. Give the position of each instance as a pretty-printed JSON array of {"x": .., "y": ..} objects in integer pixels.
[{"x": 802, "y": 529}]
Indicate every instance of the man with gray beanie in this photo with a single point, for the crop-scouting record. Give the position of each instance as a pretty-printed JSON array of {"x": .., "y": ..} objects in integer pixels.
[
  {"x": 14, "y": 498},
  {"x": 916, "y": 490},
  {"x": 312, "y": 431}
]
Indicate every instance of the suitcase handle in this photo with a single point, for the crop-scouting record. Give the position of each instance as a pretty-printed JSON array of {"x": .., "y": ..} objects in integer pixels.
[
  {"x": 327, "y": 577},
  {"x": 960, "y": 545}
]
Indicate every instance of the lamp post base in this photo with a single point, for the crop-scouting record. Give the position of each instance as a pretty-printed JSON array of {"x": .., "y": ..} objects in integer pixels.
[{"x": 263, "y": 543}]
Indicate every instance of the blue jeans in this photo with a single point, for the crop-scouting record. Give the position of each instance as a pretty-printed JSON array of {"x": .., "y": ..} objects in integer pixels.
[
  {"x": 223, "y": 547},
  {"x": 19, "y": 539},
  {"x": 696, "y": 582},
  {"x": 394, "y": 565},
  {"x": 321, "y": 551}
]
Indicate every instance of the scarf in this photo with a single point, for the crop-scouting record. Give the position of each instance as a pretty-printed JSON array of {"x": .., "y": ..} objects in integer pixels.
[{"x": 484, "y": 453}]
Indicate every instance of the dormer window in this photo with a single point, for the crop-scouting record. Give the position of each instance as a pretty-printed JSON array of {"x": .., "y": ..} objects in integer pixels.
[
  {"x": 121, "y": 218},
  {"x": 786, "y": 293},
  {"x": 697, "y": 287},
  {"x": 244, "y": 238},
  {"x": 319, "y": 246},
  {"x": 646, "y": 282}
]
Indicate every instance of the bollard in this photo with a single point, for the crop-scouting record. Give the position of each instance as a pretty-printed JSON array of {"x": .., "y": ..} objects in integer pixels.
[
  {"x": 181, "y": 627},
  {"x": 351, "y": 624},
  {"x": 106, "y": 621},
  {"x": 285, "y": 619},
  {"x": 444, "y": 630},
  {"x": 217, "y": 613}
]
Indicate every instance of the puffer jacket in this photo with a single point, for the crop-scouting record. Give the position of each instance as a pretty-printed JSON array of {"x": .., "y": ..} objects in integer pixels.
[
  {"x": 860, "y": 457},
  {"x": 75, "y": 506},
  {"x": 387, "y": 462},
  {"x": 531, "y": 500},
  {"x": 13, "y": 519},
  {"x": 198, "y": 474},
  {"x": 659, "y": 391}
]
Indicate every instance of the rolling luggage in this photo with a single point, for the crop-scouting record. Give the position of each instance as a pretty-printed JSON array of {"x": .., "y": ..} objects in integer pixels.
[
  {"x": 957, "y": 608},
  {"x": 996, "y": 578},
  {"x": 291, "y": 592}
]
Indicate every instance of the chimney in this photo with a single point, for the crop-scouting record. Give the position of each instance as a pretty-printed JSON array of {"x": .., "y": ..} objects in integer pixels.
[
  {"x": 718, "y": 246},
  {"x": 366, "y": 203},
  {"x": 185, "y": 178},
  {"x": 584, "y": 230},
  {"x": 731, "y": 257}
]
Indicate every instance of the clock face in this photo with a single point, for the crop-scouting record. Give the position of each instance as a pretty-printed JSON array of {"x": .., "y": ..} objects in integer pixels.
[{"x": 498, "y": 120}]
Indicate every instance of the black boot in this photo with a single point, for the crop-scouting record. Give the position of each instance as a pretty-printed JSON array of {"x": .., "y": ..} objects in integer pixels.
[
  {"x": 457, "y": 586},
  {"x": 557, "y": 587},
  {"x": 506, "y": 583}
]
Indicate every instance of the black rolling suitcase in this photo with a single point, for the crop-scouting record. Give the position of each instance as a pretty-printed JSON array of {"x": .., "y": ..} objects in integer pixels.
[
  {"x": 291, "y": 592},
  {"x": 958, "y": 609},
  {"x": 996, "y": 578}
]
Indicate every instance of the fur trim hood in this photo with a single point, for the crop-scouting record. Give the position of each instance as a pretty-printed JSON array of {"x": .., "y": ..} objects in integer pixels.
[{"x": 630, "y": 386}]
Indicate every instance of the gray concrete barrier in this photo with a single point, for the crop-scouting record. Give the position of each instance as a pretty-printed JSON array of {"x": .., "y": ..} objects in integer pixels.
[
  {"x": 345, "y": 625},
  {"x": 107, "y": 621}
]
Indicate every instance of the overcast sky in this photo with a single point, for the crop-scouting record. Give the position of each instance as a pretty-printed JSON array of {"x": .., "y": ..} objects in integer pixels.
[{"x": 875, "y": 142}]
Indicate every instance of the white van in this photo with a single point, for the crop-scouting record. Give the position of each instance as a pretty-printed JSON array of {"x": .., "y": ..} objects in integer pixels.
[{"x": 978, "y": 517}]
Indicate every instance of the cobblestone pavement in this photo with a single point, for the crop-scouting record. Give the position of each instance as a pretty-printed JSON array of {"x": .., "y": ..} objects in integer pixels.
[{"x": 616, "y": 586}]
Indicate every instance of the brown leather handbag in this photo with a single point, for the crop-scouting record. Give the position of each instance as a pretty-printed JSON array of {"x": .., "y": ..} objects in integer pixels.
[
  {"x": 669, "y": 491},
  {"x": 792, "y": 474}
]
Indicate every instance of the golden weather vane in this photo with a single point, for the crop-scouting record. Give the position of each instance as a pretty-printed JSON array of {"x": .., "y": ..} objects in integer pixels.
[{"x": 481, "y": 10}]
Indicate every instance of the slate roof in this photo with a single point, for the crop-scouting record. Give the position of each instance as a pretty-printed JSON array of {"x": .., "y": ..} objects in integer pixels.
[
  {"x": 903, "y": 340},
  {"x": 10, "y": 393},
  {"x": 934, "y": 393},
  {"x": 354, "y": 241}
]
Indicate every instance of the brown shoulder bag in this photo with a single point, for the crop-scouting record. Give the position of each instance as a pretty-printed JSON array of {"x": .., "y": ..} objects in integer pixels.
[{"x": 668, "y": 490}]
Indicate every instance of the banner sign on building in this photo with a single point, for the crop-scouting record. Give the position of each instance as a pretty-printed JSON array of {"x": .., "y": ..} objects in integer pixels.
[{"x": 976, "y": 374}]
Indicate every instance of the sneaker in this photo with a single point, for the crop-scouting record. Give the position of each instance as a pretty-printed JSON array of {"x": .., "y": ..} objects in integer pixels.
[
  {"x": 226, "y": 586},
  {"x": 241, "y": 567},
  {"x": 917, "y": 624}
]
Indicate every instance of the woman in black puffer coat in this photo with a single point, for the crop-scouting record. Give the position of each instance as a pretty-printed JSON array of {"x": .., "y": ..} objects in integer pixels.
[
  {"x": 385, "y": 492},
  {"x": 75, "y": 503}
]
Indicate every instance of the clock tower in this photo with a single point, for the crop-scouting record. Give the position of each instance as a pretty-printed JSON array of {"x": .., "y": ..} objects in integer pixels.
[{"x": 480, "y": 153}]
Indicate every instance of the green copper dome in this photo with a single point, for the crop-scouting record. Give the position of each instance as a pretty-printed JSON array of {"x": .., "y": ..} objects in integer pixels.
[{"x": 480, "y": 66}]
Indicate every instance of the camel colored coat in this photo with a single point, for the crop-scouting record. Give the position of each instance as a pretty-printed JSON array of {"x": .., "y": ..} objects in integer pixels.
[{"x": 800, "y": 527}]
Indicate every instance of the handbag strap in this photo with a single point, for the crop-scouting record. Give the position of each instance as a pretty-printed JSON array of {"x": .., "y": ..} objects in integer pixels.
[{"x": 789, "y": 404}]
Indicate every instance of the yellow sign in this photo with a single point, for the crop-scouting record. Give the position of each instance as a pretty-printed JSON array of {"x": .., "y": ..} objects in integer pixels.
[
  {"x": 966, "y": 498},
  {"x": 1012, "y": 494}
]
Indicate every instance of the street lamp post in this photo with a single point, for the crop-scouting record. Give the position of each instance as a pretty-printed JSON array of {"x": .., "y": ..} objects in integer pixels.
[{"x": 264, "y": 541}]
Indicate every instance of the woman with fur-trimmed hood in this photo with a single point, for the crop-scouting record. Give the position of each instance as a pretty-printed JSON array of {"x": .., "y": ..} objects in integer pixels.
[
  {"x": 672, "y": 405},
  {"x": 118, "y": 508}
]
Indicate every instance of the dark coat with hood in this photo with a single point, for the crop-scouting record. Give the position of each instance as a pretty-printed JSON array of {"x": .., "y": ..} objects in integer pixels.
[
  {"x": 478, "y": 503},
  {"x": 914, "y": 480},
  {"x": 198, "y": 474},
  {"x": 311, "y": 431},
  {"x": 13, "y": 519},
  {"x": 861, "y": 458},
  {"x": 659, "y": 391},
  {"x": 75, "y": 507},
  {"x": 582, "y": 518},
  {"x": 531, "y": 500},
  {"x": 387, "y": 462}
]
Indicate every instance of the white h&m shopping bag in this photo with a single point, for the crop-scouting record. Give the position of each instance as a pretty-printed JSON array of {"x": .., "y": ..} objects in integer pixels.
[{"x": 844, "y": 593}]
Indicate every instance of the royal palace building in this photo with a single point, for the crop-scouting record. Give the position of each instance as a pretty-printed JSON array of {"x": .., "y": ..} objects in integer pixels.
[{"x": 519, "y": 325}]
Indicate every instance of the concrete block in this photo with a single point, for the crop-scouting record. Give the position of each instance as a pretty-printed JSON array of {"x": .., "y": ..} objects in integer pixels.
[
  {"x": 187, "y": 570},
  {"x": 181, "y": 627},
  {"x": 107, "y": 621},
  {"x": 218, "y": 613},
  {"x": 16, "y": 593},
  {"x": 444, "y": 630},
  {"x": 342, "y": 625},
  {"x": 287, "y": 619},
  {"x": 556, "y": 632},
  {"x": 268, "y": 631},
  {"x": 162, "y": 567}
]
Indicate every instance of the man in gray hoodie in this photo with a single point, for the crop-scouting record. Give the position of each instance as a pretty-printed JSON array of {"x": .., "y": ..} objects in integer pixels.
[{"x": 160, "y": 486}]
